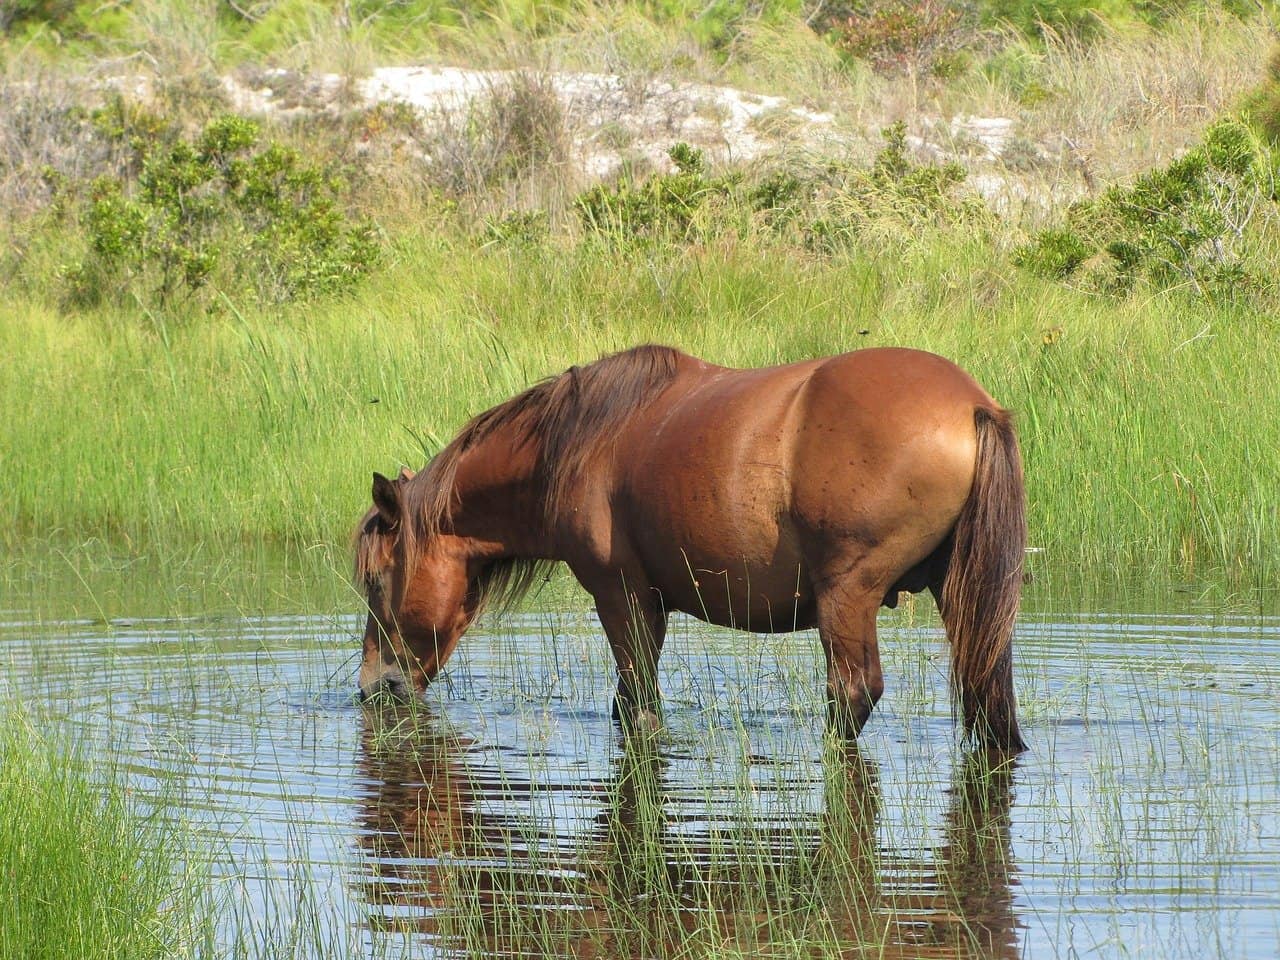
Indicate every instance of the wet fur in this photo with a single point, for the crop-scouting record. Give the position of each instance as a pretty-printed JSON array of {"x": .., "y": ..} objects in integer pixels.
[{"x": 983, "y": 585}]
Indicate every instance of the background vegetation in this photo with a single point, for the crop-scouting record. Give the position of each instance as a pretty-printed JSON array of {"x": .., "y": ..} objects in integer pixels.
[{"x": 216, "y": 327}]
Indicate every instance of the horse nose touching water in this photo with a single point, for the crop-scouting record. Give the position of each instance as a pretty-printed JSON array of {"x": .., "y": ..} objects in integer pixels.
[{"x": 767, "y": 500}]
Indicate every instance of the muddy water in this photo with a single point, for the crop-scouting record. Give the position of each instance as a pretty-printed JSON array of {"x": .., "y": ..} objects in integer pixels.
[{"x": 505, "y": 817}]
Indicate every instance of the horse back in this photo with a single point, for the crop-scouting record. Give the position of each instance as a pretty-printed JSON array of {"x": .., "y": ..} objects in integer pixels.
[{"x": 702, "y": 485}]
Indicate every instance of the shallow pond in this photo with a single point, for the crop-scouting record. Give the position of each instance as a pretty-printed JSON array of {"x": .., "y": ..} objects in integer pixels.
[{"x": 506, "y": 818}]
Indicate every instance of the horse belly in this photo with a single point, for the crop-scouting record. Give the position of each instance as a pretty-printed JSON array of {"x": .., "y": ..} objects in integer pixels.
[
  {"x": 713, "y": 525},
  {"x": 750, "y": 576}
]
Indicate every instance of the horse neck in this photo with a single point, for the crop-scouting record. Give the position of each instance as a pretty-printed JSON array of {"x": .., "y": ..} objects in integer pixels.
[{"x": 498, "y": 498}]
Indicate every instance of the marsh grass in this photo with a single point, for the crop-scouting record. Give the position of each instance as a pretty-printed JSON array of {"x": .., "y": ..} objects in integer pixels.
[
  {"x": 503, "y": 816},
  {"x": 91, "y": 869},
  {"x": 1139, "y": 419}
]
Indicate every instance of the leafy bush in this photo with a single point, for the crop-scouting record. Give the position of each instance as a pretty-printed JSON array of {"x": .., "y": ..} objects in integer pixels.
[
  {"x": 52, "y": 12},
  {"x": 524, "y": 228},
  {"x": 663, "y": 207},
  {"x": 50, "y": 23},
  {"x": 895, "y": 196},
  {"x": 826, "y": 208},
  {"x": 222, "y": 209},
  {"x": 1056, "y": 254},
  {"x": 1190, "y": 224},
  {"x": 902, "y": 36},
  {"x": 1262, "y": 106}
]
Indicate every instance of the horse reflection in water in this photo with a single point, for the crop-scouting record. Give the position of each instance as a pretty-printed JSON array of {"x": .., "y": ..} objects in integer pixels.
[{"x": 639, "y": 865}]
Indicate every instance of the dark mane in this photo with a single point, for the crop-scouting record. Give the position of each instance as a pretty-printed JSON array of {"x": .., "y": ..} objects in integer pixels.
[{"x": 570, "y": 416}]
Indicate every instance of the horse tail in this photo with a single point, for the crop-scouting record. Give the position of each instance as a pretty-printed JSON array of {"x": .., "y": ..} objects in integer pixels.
[{"x": 984, "y": 583}]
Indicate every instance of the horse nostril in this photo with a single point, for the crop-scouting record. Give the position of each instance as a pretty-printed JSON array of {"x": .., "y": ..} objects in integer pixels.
[{"x": 390, "y": 688}]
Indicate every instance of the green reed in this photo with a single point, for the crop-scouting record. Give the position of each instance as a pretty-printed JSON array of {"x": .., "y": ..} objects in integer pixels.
[
  {"x": 735, "y": 834},
  {"x": 1141, "y": 422},
  {"x": 90, "y": 870}
]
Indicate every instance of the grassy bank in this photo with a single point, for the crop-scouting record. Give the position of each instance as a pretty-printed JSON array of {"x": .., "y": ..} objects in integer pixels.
[{"x": 1143, "y": 422}]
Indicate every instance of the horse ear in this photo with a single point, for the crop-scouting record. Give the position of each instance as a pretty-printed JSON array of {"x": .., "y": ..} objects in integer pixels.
[
  {"x": 405, "y": 474},
  {"x": 386, "y": 497}
]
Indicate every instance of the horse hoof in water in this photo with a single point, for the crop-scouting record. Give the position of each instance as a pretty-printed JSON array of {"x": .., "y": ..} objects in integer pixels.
[{"x": 637, "y": 722}]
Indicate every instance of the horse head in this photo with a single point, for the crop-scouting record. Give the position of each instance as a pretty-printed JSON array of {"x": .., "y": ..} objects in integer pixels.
[{"x": 418, "y": 590}]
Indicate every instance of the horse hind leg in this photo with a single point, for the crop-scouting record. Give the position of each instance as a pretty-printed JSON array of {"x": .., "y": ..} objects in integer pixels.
[{"x": 847, "y": 628}]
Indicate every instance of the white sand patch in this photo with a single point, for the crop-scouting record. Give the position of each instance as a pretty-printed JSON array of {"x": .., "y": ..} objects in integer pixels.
[
  {"x": 613, "y": 120},
  {"x": 609, "y": 119},
  {"x": 990, "y": 133}
]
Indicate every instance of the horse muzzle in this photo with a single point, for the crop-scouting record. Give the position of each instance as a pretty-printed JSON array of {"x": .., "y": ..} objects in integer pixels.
[{"x": 384, "y": 681}]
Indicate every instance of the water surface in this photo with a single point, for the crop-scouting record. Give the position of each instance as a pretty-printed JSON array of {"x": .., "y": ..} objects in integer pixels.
[{"x": 505, "y": 817}]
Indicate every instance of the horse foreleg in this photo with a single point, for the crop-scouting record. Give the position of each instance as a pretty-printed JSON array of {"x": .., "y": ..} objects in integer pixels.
[
  {"x": 635, "y": 625},
  {"x": 847, "y": 627}
]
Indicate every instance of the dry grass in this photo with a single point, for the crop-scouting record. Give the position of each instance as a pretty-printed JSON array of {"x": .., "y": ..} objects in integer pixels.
[
  {"x": 1131, "y": 102},
  {"x": 511, "y": 143},
  {"x": 1083, "y": 115}
]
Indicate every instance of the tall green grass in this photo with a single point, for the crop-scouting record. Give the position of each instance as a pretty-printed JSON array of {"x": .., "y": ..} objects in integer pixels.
[
  {"x": 1145, "y": 424},
  {"x": 85, "y": 871}
]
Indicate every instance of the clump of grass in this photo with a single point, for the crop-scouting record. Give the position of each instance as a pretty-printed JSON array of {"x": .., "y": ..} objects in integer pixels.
[
  {"x": 516, "y": 131},
  {"x": 1261, "y": 106},
  {"x": 87, "y": 871},
  {"x": 1130, "y": 100},
  {"x": 827, "y": 208},
  {"x": 664, "y": 206}
]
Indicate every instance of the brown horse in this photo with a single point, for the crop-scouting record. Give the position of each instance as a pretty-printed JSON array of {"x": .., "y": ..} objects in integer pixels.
[{"x": 768, "y": 500}]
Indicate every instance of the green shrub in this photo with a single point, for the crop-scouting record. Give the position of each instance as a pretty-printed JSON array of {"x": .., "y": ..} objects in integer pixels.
[
  {"x": 826, "y": 208},
  {"x": 665, "y": 206},
  {"x": 1055, "y": 254},
  {"x": 1262, "y": 105},
  {"x": 716, "y": 24},
  {"x": 221, "y": 210},
  {"x": 523, "y": 228},
  {"x": 1193, "y": 223},
  {"x": 902, "y": 36},
  {"x": 895, "y": 197},
  {"x": 49, "y": 24},
  {"x": 51, "y": 12}
]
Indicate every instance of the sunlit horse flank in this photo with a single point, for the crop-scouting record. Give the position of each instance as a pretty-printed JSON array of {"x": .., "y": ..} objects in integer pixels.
[{"x": 768, "y": 500}]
